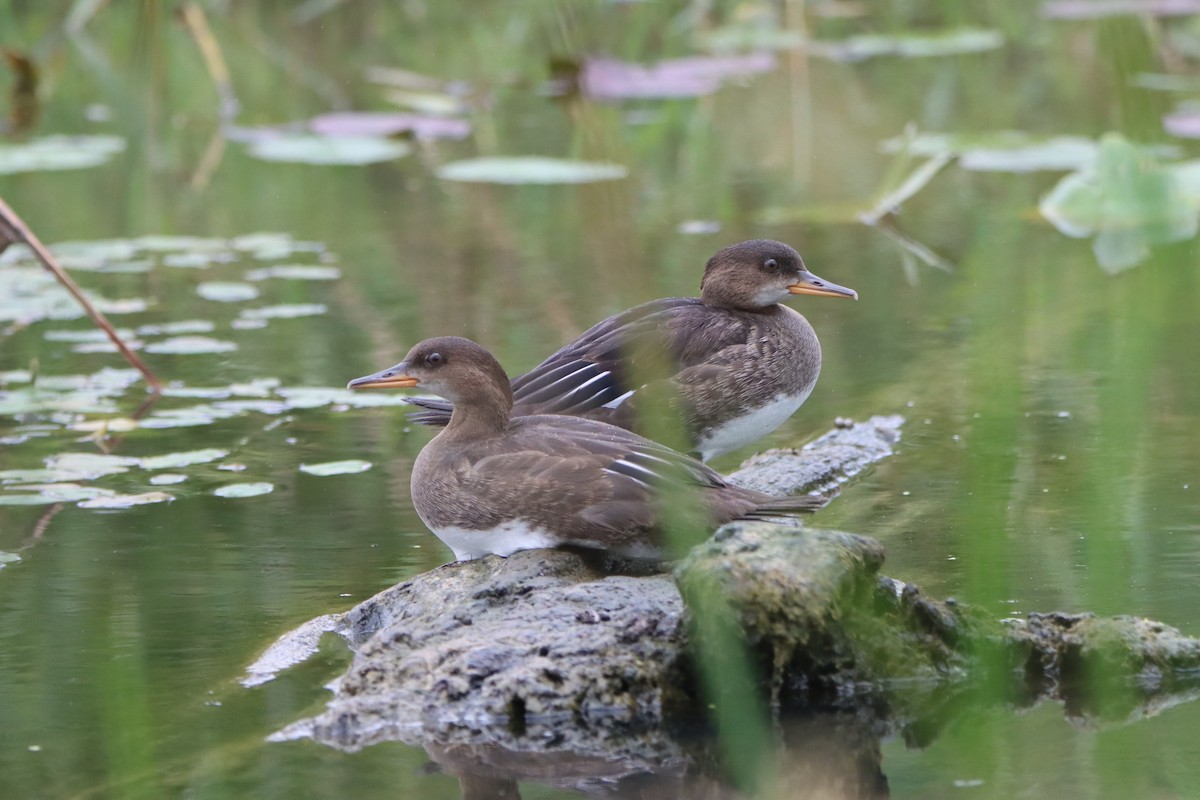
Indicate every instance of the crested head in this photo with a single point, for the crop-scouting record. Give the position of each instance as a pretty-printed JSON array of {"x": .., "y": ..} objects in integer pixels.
[{"x": 759, "y": 273}]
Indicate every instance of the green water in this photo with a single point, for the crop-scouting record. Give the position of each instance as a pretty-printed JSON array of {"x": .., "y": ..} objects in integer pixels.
[{"x": 1051, "y": 459}]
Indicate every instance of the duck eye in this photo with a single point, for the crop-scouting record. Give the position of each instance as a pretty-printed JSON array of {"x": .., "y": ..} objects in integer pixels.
[
  {"x": 433, "y": 359},
  {"x": 770, "y": 265}
]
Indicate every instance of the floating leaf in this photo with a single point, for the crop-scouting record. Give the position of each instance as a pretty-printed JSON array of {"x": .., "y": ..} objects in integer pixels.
[
  {"x": 126, "y": 500},
  {"x": 113, "y": 267},
  {"x": 50, "y": 493},
  {"x": 1093, "y": 9},
  {"x": 58, "y": 152},
  {"x": 316, "y": 396},
  {"x": 227, "y": 291},
  {"x": 66, "y": 467},
  {"x": 175, "y": 328},
  {"x": 370, "y": 123},
  {"x": 284, "y": 311},
  {"x": 1128, "y": 201},
  {"x": 300, "y": 272},
  {"x": 529, "y": 169},
  {"x": 29, "y": 294},
  {"x": 184, "y": 459},
  {"x": 1001, "y": 151},
  {"x": 104, "y": 347},
  {"x": 109, "y": 425},
  {"x": 326, "y": 150},
  {"x": 167, "y": 478},
  {"x": 348, "y": 467},
  {"x": 1184, "y": 124},
  {"x": 191, "y": 345},
  {"x": 266, "y": 246},
  {"x": 193, "y": 260},
  {"x": 914, "y": 44},
  {"x": 161, "y": 243},
  {"x": 84, "y": 335},
  {"x": 244, "y": 489},
  {"x": 610, "y": 79},
  {"x": 906, "y": 44}
]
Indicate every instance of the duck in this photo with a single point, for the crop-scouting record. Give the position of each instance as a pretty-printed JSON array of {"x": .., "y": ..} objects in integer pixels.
[
  {"x": 491, "y": 482},
  {"x": 708, "y": 374}
]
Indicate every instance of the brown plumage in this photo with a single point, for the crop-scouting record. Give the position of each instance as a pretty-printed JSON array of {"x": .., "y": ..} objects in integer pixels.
[
  {"x": 730, "y": 366},
  {"x": 494, "y": 483}
]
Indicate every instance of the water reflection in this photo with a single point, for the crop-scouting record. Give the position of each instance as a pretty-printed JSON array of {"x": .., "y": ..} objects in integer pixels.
[{"x": 1052, "y": 461}]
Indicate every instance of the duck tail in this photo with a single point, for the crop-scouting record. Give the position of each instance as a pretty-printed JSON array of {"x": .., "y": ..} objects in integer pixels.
[
  {"x": 775, "y": 507},
  {"x": 434, "y": 411}
]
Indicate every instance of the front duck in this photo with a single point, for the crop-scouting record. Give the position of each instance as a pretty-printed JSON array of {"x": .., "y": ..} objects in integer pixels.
[{"x": 494, "y": 483}]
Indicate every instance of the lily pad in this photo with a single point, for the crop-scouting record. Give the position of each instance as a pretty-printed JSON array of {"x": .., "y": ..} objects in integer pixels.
[
  {"x": 244, "y": 489},
  {"x": 89, "y": 465},
  {"x": 58, "y": 152},
  {"x": 300, "y": 272},
  {"x": 326, "y": 150},
  {"x": 104, "y": 347},
  {"x": 184, "y": 459},
  {"x": 372, "y": 123},
  {"x": 1001, "y": 151},
  {"x": 1184, "y": 124},
  {"x": 348, "y": 467},
  {"x": 191, "y": 345},
  {"x": 227, "y": 291},
  {"x": 610, "y": 79},
  {"x": 107, "y": 425},
  {"x": 30, "y": 293},
  {"x": 50, "y": 493},
  {"x": 193, "y": 260},
  {"x": 267, "y": 245},
  {"x": 84, "y": 335},
  {"x": 167, "y": 478},
  {"x": 1128, "y": 202},
  {"x": 126, "y": 500},
  {"x": 161, "y": 243},
  {"x": 316, "y": 396},
  {"x": 904, "y": 44},
  {"x": 284, "y": 311},
  {"x": 175, "y": 328},
  {"x": 530, "y": 169},
  {"x": 1094, "y": 9}
]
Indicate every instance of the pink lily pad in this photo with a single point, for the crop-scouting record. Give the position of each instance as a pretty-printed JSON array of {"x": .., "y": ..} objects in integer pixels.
[
  {"x": 1182, "y": 124},
  {"x": 610, "y": 79},
  {"x": 1093, "y": 9},
  {"x": 372, "y": 123}
]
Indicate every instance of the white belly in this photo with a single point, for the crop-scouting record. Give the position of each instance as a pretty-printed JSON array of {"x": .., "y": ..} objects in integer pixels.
[
  {"x": 750, "y": 426},
  {"x": 503, "y": 540}
]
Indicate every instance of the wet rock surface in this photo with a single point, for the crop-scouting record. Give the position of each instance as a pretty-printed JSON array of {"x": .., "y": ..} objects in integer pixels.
[
  {"x": 537, "y": 647},
  {"x": 547, "y": 666}
]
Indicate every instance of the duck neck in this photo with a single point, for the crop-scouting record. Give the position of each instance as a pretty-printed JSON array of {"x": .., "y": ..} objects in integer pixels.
[{"x": 484, "y": 413}]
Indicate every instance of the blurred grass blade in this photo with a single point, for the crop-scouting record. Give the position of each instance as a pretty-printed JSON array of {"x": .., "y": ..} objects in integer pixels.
[
  {"x": 916, "y": 180},
  {"x": 214, "y": 61}
]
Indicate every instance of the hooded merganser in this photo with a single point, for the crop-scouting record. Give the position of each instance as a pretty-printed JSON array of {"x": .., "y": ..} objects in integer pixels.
[
  {"x": 731, "y": 365},
  {"x": 496, "y": 483}
]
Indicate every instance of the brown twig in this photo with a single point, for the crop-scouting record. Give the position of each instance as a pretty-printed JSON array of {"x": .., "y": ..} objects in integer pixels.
[
  {"x": 14, "y": 230},
  {"x": 197, "y": 24}
]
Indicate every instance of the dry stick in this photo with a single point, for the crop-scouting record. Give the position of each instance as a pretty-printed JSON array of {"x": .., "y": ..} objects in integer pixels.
[
  {"x": 197, "y": 25},
  {"x": 13, "y": 229}
]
